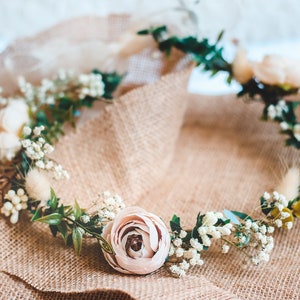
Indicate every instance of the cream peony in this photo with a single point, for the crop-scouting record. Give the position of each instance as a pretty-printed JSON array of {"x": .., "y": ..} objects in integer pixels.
[
  {"x": 13, "y": 117},
  {"x": 141, "y": 241}
]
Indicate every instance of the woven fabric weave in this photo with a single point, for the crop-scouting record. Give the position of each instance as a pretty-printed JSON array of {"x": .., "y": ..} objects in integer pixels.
[{"x": 168, "y": 152}]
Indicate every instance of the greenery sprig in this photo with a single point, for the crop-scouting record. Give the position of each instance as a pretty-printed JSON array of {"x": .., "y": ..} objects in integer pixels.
[
  {"x": 58, "y": 101},
  {"x": 210, "y": 57}
]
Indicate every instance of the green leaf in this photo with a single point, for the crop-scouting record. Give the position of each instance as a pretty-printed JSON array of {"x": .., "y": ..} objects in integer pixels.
[
  {"x": 241, "y": 215},
  {"x": 53, "y": 229},
  {"x": 265, "y": 206},
  {"x": 63, "y": 230},
  {"x": 220, "y": 36},
  {"x": 111, "y": 82},
  {"x": 175, "y": 224},
  {"x": 37, "y": 214},
  {"x": 53, "y": 201},
  {"x": 77, "y": 239},
  {"x": 52, "y": 219},
  {"x": 143, "y": 32},
  {"x": 77, "y": 210},
  {"x": 233, "y": 219}
]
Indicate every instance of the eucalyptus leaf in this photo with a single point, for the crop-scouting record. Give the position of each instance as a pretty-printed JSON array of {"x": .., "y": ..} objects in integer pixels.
[
  {"x": 241, "y": 215},
  {"x": 175, "y": 224},
  {"x": 233, "y": 219}
]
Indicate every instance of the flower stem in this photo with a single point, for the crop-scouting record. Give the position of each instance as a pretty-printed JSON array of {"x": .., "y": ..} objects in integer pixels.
[{"x": 103, "y": 243}]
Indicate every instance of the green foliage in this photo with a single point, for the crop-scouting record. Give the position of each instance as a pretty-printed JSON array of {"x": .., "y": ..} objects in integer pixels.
[
  {"x": 77, "y": 239},
  {"x": 175, "y": 224},
  {"x": 66, "y": 220},
  {"x": 67, "y": 105},
  {"x": 111, "y": 82},
  {"x": 241, "y": 215},
  {"x": 210, "y": 56},
  {"x": 52, "y": 219},
  {"x": 77, "y": 212},
  {"x": 266, "y": 207}
]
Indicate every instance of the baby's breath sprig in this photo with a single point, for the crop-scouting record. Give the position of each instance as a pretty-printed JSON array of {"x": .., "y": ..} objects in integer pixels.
[
  {"x": 252, "y": 237},
  {"x": 58, "y": 100},
  {"x": 31, "y": 191},
  {"x": 209, "y": 55}
]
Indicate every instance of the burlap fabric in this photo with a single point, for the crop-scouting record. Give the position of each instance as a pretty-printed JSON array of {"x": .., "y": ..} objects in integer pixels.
[{"x": 169, "y": 152}]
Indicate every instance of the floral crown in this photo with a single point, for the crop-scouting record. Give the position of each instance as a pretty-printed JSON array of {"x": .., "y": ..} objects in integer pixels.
[{"x": 133, "y": 240}]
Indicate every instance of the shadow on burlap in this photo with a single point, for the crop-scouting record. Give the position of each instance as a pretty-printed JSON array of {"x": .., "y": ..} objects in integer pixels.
[{"x": 169, "y": 152}]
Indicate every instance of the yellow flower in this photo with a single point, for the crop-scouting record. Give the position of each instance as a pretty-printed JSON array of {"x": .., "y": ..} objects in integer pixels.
[
  {"x": 276, "y": 214},
  {"x": 296, "y": 209}
]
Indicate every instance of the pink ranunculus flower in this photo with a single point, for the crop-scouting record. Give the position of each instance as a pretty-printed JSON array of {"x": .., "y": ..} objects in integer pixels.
[
  {"x": 140, "y": 239},
  {"x": 13, "y": 117}
]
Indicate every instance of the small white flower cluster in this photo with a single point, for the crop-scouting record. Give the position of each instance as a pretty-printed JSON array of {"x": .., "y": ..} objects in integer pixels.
[
  {"x": 257, "y": 235},
  {"x": 275, "y": 111},
  {"x": 109, "y": 206},
  {"x": 282, "y": 214},
  {"x": 38, "y": 151},
  {"x": 45, "y": 92},
  {"x": 183, "y": 256},
  {"x": 27, "y": 89},
  {"x": 15, "y": 201},
  {"x": 91, "y": 85},
  {"x": 209, "y": 229},
  {"x": 64, "y": 83},
  {"x": 186, "y": 255}
]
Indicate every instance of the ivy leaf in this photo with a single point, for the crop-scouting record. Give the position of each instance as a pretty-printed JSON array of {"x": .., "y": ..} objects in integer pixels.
[
  {"x": 77, "y": 239},
  {"x": 52, "y": 219},
  {"x": 175, "y": 224},
  {"x": 231, "y": 217}
]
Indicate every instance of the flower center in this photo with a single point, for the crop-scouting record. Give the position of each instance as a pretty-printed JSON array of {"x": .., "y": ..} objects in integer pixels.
[{"x": 135, "y": 242}]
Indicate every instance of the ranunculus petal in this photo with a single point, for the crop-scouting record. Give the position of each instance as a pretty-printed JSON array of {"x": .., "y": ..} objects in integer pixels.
[{"x": 153, "y": 232}]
